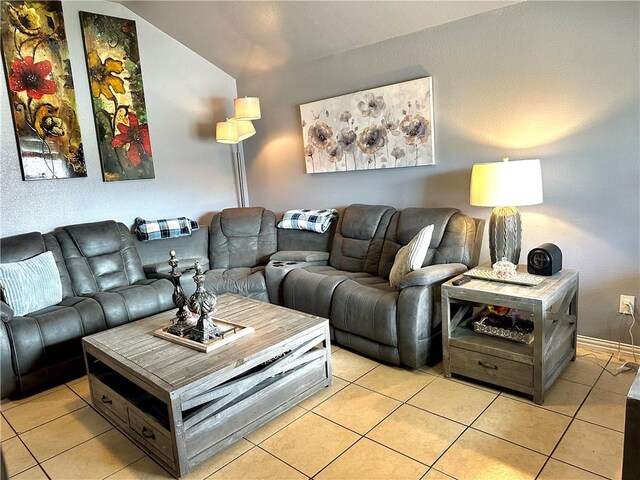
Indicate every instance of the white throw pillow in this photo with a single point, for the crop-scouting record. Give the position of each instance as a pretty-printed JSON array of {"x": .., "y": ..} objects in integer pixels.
[
  {"x": 32, "y": 284},
  {"x": 411, "y": 256}
]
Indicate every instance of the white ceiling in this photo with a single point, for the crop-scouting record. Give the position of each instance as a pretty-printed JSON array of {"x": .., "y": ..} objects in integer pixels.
[{"x": 249, "y": 37}]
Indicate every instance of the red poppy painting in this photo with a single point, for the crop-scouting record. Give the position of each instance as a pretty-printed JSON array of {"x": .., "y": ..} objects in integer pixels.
[
  {"x": 43, "y": 103},
  {"x": 120, "y": 113}
]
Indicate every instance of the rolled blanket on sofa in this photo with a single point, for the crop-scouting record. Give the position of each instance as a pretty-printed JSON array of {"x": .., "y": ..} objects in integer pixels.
[
  {"x": 304, "y": 219},
  {"x": 164, "y": 228}
]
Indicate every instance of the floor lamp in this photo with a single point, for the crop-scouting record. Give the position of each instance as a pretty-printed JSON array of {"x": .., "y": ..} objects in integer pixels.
[{"x": 239, "y": 128}]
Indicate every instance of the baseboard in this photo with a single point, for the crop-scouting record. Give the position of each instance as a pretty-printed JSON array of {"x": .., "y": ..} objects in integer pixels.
[{"x": 607, "y": 346}]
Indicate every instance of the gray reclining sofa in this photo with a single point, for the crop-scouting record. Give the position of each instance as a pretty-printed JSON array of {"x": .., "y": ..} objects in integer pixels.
[
  {"x": 399, "y": 325},
  {"x": 110, "y": 278},
  {"x": 103, "y": 286}
]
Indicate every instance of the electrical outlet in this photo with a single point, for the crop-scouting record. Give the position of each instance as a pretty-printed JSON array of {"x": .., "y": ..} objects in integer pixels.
[{"x": 627, "y": 304}]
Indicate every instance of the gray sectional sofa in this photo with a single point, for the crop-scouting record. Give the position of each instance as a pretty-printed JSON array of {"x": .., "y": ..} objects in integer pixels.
[{"x": 110, "y": 278}]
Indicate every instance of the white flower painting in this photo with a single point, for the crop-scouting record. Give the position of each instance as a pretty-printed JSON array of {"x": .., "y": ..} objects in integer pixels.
[{"x": 385, "y": 127}]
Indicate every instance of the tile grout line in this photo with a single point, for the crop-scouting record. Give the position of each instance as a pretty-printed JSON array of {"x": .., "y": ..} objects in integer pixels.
[
  {"x": 573, "y": 419},
  {"x": 35, "y": 396},
  {"x": 48, "y": 421},
  {"x": 281, "y": 460},
  {"x": 467, "y": 427},
  {"x": 52, "y": 420},
  {"x": 30, "y": 453}
]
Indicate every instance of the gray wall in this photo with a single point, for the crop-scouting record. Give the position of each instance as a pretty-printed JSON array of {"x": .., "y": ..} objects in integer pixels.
[
  {"x": 558, "y": 81},
  {"x": 184, "y": 93}
]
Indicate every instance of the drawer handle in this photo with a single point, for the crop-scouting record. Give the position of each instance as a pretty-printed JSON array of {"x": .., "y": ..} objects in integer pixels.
[
  {"x": 146, "y": 433},
  {"x": 489, "y": 366},
  {"x": 106, "y": 399}
]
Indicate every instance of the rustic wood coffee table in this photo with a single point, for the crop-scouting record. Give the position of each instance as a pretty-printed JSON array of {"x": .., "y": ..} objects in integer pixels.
[{"x": 183, "y": 406}]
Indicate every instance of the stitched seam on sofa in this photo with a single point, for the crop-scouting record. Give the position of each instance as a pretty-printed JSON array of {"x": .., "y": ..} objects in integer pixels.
[
  {"x": 126, "y": 307},
  {"x": 124, "y": 268},
  {"x": 84, "y": 330},
  {"x": 123, "y": 248},
  {"x": 344, "y": 316},
  {"x": 315, "y": 298},
  {"x": 294, "y": 289},
  {"x": 373, "y": 318},
  {"x": 14, "y": 357},
  {"x": 44, "y": 350},
  {"x": 86, "y": 260}
]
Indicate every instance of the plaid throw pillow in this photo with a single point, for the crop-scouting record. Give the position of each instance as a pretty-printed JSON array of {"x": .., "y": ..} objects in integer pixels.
[
  {"x": 304, "y": 219},
  {"x": 164, "y": 228}
]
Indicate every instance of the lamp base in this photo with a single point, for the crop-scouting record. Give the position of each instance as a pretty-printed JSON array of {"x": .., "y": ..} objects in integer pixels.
[{"x": 505, "y": 234}]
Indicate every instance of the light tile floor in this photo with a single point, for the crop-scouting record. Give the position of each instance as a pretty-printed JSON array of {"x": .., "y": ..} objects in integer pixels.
[{"x": 375, "y": 421}]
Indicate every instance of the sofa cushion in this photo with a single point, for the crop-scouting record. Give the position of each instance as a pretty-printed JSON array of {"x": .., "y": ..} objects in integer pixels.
[
  {"x": 411, "y": 256},
  {"x": 21, "y": 247},
  {"x": 366, "y": 311},
  {"x": 32, "y": 284},
  {"x": 242, "y": 237},
  {"x": 310, "y": 289},
  {"x": 131, "y": 302},
  {"x": 452, "y": 241},
  {"x": 95, "y": 239},
  {"x": 249, "y": 282},
  {"x": 100, "y": 256},
  {"x": 359, "y": 237}
]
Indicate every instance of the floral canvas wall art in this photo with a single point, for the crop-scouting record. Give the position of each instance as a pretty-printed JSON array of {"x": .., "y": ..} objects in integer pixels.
[
  {"x": 120, "y": 113},
  {"x": 41, "y": 93},
  {"x": 385, "y": 127}
]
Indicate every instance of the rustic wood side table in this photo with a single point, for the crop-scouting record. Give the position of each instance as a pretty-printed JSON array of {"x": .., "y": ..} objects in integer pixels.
[{"x": 532, "y": 368}]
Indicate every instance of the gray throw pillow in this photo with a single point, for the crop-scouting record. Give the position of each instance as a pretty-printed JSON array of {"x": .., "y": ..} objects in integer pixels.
[{"x": 31, "y": 284}]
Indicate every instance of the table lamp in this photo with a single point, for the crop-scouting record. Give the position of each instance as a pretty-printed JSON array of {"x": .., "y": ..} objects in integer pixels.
[
  {"x": 237, "y": 129},
  {"x": 506, "y": 185}
]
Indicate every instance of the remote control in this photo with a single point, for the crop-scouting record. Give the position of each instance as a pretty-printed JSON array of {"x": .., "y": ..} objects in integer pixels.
[{"x": 461, "y": 281}]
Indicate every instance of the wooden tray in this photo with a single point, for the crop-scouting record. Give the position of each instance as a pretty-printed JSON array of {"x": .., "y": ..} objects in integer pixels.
[{"x": 214, "y": 343}]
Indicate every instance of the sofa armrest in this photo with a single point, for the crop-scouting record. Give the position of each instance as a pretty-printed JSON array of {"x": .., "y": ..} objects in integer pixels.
[
  {"x": 274, "y": 274},
  {"x": 6, "y": 312},
  {"x": 433, "y": 274},
  {"x": 8, "y": 379},
  {"x": 310, "y": 256}
]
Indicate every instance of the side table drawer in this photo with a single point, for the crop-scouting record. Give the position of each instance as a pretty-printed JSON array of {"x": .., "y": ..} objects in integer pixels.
[
  {"x": 108, "y": 400},
  {"x": 151, "y": 434},
  {"x": 489, "y": 368}
]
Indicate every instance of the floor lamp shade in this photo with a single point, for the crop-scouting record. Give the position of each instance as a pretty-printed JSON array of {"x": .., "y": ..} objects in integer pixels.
[
  {"x": 245, "y": 128},
  {"x": 247, "y": 108},
  {"x": 506, "y": 185},
  {"x": 227, "y": 132}
]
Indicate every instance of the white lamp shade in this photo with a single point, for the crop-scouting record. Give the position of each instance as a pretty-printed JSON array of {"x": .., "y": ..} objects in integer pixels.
[
  {"x": 245, "y": 128},
  {"x": 227, "y": 132},
  {"x": 247, "y": 108},
  {"x": 506, "y": 184}
]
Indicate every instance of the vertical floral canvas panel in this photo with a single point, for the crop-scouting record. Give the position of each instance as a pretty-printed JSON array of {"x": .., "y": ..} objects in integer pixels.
[
  {"x": 385, "y": 127},
  {"x": 115, "y": 77},
  {"x": 41, "y": 93}
]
